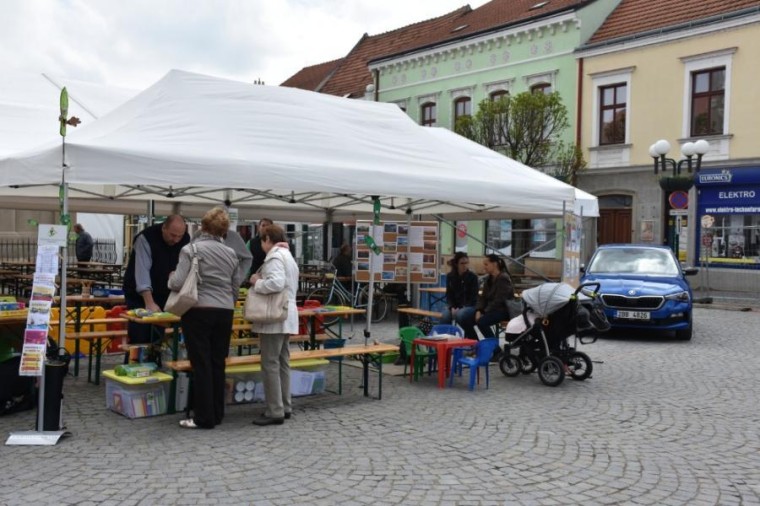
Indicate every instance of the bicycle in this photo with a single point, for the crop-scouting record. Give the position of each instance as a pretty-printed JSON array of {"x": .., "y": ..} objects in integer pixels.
[{"x": 336, "y": 294}]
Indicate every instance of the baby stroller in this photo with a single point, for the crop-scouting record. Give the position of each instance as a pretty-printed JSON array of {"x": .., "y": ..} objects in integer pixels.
[{"x": 538, "y": 337}]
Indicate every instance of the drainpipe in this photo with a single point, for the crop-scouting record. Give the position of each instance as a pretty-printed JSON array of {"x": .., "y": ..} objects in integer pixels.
[
  {"x": 376, "y": 80},
  {"x": 579, "y": 104}
]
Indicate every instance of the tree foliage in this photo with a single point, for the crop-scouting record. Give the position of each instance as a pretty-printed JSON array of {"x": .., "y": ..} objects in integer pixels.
[{"x": 526, "y": 127}]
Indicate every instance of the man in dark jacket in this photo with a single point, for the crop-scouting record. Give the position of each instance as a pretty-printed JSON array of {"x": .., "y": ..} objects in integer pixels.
[
  {"x": 154, "y": 256},
  {"x": 84, "y": 244}
]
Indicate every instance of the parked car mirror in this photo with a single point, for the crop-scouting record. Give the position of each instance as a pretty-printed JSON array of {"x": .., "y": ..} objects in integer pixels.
[
  {"x": 690, "y": 271},
  {"x": 583, "y": 268}
]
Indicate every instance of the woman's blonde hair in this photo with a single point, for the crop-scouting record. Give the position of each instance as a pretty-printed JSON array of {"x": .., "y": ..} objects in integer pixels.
[{"x": 216, "y": 222}]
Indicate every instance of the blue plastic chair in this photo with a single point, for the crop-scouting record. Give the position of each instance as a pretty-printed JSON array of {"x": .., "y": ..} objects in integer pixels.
[
  {"x": 483, "y": 351},
  {"x": 336, "y": 343}
]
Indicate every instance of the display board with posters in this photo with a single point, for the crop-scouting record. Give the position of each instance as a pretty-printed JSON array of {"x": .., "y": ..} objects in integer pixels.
[{"x": 402, "y": 251}]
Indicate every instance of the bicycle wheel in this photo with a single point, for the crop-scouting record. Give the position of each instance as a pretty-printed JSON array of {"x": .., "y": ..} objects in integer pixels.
[
  {"x": 327, "y": 297},
  {"x": 379, "y": 303}
]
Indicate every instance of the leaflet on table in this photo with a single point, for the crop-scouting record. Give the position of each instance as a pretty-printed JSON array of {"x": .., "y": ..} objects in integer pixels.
[
  {"x": 32, "y": 360},
  {"x": 47, "y": 259}
]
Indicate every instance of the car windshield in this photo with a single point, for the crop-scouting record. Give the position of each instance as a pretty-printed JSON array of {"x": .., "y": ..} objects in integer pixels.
[{"x": 642, "y": 261}]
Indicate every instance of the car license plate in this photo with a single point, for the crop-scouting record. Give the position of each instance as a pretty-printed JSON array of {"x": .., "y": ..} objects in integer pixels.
[{"x": 633, "y": 315}]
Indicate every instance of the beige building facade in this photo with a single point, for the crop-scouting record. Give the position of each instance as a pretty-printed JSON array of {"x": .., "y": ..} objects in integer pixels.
[{"x": 679, "y": 85}]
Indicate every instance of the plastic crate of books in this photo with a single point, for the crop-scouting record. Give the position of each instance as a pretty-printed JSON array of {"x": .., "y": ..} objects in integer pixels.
[{"x": 137, "y": 397}]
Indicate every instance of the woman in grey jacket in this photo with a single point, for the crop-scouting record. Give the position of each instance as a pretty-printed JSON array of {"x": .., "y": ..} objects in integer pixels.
[
  {"x": 207, "y": 326},
  {"x": 279, "y": 272}
]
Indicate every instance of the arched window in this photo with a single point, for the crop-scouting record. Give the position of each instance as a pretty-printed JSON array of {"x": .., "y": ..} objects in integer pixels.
[
  {"x": 428, "y": 114},
  {"x": 498, "y": 94},
  {"x": 462, "y": 107},
  {"x": 544, "y": 88}
]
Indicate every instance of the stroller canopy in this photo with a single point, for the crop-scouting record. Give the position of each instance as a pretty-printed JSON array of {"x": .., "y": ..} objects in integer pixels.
[{"x": 547, "y": 298}]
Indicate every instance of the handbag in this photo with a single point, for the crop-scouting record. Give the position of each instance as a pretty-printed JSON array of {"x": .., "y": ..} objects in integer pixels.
[
  {"x": 179, "y": 302},
  {"x": 266, "y": 307}
]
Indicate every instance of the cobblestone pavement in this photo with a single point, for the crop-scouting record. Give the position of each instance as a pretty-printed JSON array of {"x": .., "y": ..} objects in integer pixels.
[{"x": 660, "y": 422}]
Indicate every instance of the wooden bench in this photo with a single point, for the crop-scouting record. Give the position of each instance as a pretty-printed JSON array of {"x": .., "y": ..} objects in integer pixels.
[
  {"x": 239, "y": 342},
  {"x": 95, "y": 338},
  {"x": 413, "y": 312},
  {"x": 365, "y": 353}
]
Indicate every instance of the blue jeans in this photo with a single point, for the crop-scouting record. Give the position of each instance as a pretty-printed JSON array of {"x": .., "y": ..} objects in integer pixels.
[
  {"x": 485, "y": 324},
  {"x": 462, "y": 314}
]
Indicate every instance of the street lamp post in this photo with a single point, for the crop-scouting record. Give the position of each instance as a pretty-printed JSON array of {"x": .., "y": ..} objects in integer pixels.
[
  {"x": 659, "y": 149},
  {"x": 658, "y": 152}
]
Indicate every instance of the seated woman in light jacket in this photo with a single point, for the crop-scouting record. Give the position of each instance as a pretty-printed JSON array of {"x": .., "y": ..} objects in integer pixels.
[
  {"x": 279, "y": 272},
  {"x": 207, "y": 326}
]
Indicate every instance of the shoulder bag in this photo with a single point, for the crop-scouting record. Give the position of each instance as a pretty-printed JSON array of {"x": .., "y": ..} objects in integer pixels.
[
  {"x": 179, "y": 302},
  {"x": 266, "y": 307}
]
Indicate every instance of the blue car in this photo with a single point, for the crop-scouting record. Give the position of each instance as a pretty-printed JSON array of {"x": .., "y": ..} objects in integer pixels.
[{"x": 642, "y": 287}]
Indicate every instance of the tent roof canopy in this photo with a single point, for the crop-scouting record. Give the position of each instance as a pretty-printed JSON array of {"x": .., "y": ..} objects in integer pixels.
[{"x": 201, "y": 140}]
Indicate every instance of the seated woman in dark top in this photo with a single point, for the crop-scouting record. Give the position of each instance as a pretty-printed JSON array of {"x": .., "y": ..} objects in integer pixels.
[
  {"x": 492, "y": 303},
  {"x": 461, "y": 290}
]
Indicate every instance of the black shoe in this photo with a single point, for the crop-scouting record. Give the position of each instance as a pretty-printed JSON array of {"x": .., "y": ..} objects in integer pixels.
[
  {"x": 288, "y": 416},
  {"x": 266, "y": 420}
]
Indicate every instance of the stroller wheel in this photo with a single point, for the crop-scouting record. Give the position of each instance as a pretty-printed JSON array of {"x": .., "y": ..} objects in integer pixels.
[
  {"x": 527, "y": 365},
  {"x": 509, "y": 365},
  {"x": 551, "y": 371},
  {"x": 580, "y": 365}
]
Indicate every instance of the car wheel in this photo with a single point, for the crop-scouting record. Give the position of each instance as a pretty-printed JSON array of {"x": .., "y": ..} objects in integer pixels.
[
  {"x": 551, "y": 371},
  {"x": 580, "y": 366},
  {"x": 510, "y": 366},
  {"x": 685, "y": 334}
]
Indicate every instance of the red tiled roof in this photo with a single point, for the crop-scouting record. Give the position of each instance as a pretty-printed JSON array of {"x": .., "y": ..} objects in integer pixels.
[
  {"x": 352, "y": 76},
  {"x": 312, "y": 78},
  {"x": 637, "y": 16}
]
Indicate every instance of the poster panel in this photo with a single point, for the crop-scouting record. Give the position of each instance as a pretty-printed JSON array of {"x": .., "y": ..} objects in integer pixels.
[{"x": 405, "y": 252}]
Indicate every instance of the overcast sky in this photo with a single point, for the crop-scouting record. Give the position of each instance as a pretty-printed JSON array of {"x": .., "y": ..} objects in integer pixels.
[{"x": 133, "y": 43}]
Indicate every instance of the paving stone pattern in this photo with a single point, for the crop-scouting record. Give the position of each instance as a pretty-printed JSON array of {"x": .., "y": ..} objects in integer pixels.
[{"x": 661, "y": 422}]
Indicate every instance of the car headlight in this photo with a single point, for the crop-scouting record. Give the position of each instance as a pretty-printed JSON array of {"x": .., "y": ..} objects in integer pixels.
[{"x": 679, "y": 297}]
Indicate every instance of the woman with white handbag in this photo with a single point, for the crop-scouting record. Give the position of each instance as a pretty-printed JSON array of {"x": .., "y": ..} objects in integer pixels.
[
  {"x": 279, "y": 273},
  {"x": 207, "y": 326}
]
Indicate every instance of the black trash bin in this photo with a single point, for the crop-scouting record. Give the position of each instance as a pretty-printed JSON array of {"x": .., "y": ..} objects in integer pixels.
[{"x": 55, "y": 371}]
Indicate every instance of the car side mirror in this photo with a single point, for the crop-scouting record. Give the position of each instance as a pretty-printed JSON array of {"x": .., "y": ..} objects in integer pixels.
[
  {"x": 583, "y": 268},
  {"x": 690, "y": 271}
]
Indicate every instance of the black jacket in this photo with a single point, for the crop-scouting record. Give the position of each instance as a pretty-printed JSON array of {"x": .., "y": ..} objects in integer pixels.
[
  {"x": 496, "y": 292},
  {"x": 462, "y": 290}
]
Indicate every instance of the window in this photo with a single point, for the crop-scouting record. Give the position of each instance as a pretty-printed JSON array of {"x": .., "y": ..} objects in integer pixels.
[
  {"x": 462, "y": 107},
  {"x": 708, "y": 89},
  {"x": 428, "y": 114},
  {"x": 544, "y": 88},
  {"x": 612, "y": 107},
  {"x": 498, "y": 95}
]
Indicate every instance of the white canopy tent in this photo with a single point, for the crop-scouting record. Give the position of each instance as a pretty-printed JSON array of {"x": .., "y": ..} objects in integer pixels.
[{"x": 197, "y": 141}]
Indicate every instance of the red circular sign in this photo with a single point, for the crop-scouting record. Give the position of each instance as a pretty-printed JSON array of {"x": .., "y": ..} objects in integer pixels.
[
  {"x": 462, "y": 230},
  {"x": 679, "y": 200}
]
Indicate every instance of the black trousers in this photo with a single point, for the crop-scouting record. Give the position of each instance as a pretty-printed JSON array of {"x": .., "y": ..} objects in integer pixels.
[{"x": 207, "y": 338}]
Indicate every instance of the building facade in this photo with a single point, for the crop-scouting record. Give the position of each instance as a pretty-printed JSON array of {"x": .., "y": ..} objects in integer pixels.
[{"x": 658, "y": 76}]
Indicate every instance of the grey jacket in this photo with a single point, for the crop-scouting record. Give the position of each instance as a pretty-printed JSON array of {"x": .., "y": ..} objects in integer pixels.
[{"x": 219, "y": 273}]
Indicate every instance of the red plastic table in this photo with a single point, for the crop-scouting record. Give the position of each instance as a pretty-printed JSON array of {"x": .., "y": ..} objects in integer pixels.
[{"x": 443, "y": 349}]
